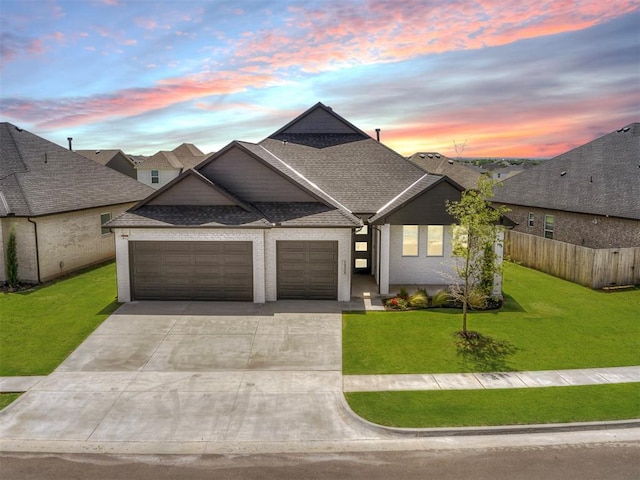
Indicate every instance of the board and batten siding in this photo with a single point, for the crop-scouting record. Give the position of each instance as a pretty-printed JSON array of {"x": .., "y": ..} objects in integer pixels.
[
  {"x": 319, "y": 121},
  {"x": 191, "y": 191}
]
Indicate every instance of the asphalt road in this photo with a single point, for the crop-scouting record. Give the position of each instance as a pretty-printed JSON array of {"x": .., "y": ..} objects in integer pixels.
[{"x": 611, "y": 461}]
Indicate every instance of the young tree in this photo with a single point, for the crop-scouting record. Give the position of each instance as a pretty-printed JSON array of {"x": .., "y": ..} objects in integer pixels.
[
  {"x": 474, "y": 236},
  {"x": 12, "y": 260}
]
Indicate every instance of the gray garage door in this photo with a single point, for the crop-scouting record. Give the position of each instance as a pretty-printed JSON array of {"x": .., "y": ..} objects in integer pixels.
[
  {"x": 191, "y": 270},
  {"x": 307, "y": 270}
]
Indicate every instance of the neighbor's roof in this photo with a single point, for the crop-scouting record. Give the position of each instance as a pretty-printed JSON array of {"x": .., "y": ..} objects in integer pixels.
[
  {"x": 103, "y": 156},
  {"x": 346, "y": 163},
  {"x": 601, "y": 177},
  {"x": 437, "y": 164},
  {"x": 162, "y": 160},
  {"x": 38, "y": 177}
]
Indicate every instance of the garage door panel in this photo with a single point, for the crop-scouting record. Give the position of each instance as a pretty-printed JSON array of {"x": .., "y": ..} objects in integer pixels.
[
  {"x": 191, "y": 270},
  {"x": 307, "y": 269}
]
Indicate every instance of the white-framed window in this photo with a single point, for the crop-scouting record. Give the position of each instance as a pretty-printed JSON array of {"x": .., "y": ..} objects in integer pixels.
[
  {"x": 531, "y": 219},
  {"x": 410, "y": 240},
  {"x": 548, "y": 226},
  {"x": 361, "y": 263},
  {"x": 435, "y": 240},
  {"x": 363, "y": 230},
  {"x": 104, "y": 218},
  {"x": 459, "y": 239},
  {"x": 155, "y": 176},
  {"x": 361, "y": 246}
]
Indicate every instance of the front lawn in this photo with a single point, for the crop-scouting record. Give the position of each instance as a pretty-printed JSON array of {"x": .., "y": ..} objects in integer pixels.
[
  {"x": 550, "y": 323},
  {"x": 39, "y": 328},
  {"x": 521, "y": 406}
]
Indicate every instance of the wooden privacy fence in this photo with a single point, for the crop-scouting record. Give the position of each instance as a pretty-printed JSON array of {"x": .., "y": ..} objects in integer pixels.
[{"x": 594, "y": 268}]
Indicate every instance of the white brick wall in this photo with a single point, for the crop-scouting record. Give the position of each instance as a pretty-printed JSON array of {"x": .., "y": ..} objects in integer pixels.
[{"x": 264, "y": 253}]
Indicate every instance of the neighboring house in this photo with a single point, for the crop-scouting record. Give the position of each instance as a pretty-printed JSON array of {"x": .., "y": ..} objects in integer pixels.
[
  {"x": 433, "y": 162},
  {"x": 292, "y": 217},
  {"x": 159, "y": 169},
  {"x": 57, "y": 201},
  {"x": 579, "y": 213},
  {"x": 589, "y": 196},
  {"x": 115, "y": 159}
]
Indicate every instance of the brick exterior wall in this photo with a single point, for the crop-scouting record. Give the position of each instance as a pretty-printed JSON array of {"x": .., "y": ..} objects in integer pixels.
[
  {"x": 592, "y": 231},
  {"x": 66, "y": 242},
  {"x": 264, "y": 253}
]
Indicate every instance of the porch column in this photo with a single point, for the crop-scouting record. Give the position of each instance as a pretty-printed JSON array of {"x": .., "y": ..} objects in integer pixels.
[
  {"x": 122, "y": 264},
  {"x": 385, "y": 240}
]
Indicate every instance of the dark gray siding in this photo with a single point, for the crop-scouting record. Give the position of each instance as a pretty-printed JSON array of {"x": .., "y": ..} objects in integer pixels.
[
  {"x": 251, "y": 180},
  {"x": 191, "y": 191},
  {"x": 319, "y": 121},
  {"x": 426, "y": 209}
]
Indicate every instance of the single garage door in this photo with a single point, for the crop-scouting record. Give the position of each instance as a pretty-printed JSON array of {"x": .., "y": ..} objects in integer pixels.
[
  {"x": 191, "y": 271},
  {"x": 307, "y": 270}
]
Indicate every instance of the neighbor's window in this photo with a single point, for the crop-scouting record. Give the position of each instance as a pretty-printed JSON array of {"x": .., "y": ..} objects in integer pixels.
[
  {"x": 548, "y": 226},
  {"x": 435, "y": 240},
  {"x": 104, "y": 218},
  {"x": 459, "y": 239},
  {"x": 531, "y": 217},
  {"x": 155, "y": 176},
  {"x": 410, "y": 240}
]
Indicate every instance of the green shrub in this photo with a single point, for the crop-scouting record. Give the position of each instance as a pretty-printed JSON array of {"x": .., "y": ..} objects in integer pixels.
[
  {"x": 12, "y": 260},
  {"x": 403, "y": 294},
  {"x": 477, "y": 299},
  {"x": 440, "y": 299},
  {"x": 418, "y": 300},
  {"x": 397, "y": 303}
]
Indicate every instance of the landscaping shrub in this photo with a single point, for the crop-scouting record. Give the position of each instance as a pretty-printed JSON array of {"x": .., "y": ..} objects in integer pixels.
[
  {"x": 418, "y": 300},
  {"x": 397, "y": 303},
  {"x": 440, "y": 299},
  {"x": 12, "y": 261}
]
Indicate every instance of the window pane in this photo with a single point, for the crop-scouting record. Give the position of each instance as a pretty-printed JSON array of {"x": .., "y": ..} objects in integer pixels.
[
  {"x": 361, "y": 246},
  {"x": 531, "y": 218},
  {"x": 435, "y": 240},
  {"x": 410, "y": 240},
  {"x": 104, "y": 218},
  {"x": 361, "y": 263},
  {"x": 548, "y": 226},
  {"x": 363, "y": 230}
]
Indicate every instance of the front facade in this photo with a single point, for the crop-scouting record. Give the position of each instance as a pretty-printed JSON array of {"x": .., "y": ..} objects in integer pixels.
[
  {"x": 56, "y": 202},
  {"x": 291, "y": 217}
]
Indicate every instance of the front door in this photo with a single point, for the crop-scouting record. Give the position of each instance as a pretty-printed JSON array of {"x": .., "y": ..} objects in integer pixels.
[{"x": 362, "y": 250}]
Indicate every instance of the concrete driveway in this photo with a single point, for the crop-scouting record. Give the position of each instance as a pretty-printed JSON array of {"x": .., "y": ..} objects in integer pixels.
[{"x": 189, "y": 375}]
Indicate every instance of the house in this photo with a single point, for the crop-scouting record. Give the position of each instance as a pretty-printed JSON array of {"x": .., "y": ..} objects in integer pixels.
[
  {"x": 291, "y": 217},
  {"x": 579, "y": 213},
  {"x": 115, "y": 159},
  {"x": 162, "y": 167},
  {"x": 56, "y": 202},
  {"x": 588, "y": 196},
  {"x": 438, "y": 164}
]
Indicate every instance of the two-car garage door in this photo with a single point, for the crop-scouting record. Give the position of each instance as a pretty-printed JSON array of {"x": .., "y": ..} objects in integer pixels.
[
  {"x": 191, "y": 270},
  {"x": 168, "y": 270}
]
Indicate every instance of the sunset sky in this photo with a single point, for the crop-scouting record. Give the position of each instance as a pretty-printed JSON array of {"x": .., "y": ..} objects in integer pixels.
[{"x": 525, "y": 78}]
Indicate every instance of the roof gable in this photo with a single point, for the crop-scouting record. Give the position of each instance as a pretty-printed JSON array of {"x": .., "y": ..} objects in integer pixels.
[
  {"x": 601, "y": 177},
  {"x": 438, "y": 164},
  {"x": 319, "y": 119},
  {"x": 38, "y": 177}
]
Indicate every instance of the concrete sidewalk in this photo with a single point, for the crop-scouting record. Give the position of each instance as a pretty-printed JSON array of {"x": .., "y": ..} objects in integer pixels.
[{"x": 471, "y": 381}]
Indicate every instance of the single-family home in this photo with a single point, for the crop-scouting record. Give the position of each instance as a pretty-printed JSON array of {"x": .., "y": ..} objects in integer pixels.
[
  {"x": 115, "y": 159},
  {"x": 438, "y": 164},
  {"x": 293, "y": 216},
  {"x": 162, "y": 167},
  {"x": 56, "y": 202},
  {"x": 578, "y": 214}
]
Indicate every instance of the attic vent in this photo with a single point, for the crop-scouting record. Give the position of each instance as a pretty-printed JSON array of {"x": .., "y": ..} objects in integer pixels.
[
  {"x": 450, "y": 162},
  {"x": 563, "y": 173},
  {"x": 626, "y": 129},
  {"x": 430, "y": 155},
  {"x": 97, "y": 152},
  {"x": 437, "y": 155},
  {"x": 19, "y": 129},
  {"x": 422, "y": 155}
]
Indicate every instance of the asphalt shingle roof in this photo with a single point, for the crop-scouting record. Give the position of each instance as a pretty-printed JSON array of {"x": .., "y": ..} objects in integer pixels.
[
  {"x": 190, "y": 216},
  {"x": 435, "y": 163},
  {"x": 38, "y": 177},
  {"x": 601, "y": 177}
]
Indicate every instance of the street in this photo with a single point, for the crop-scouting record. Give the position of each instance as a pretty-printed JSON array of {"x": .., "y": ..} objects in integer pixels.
[{"x": 611, "y": 461}]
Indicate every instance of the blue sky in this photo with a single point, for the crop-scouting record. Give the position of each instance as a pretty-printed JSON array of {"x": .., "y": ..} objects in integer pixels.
[{"x": 527, "y": 78}]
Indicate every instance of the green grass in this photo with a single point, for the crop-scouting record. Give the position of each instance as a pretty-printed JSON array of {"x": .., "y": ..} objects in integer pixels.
[
  {"x": 7, "y": 398},
  {"x": 39, "y": 328},
  {"x": 551, "y": 323},
  {"x": 524, "y": 406}
]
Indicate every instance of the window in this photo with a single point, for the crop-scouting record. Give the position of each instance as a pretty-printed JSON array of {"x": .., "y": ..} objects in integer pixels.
[
  {"x": 155, "y": 176},
  {"x": 435, "y": 240},
  {"x": 459, "y": 239},
  {"x": 362, "y": 246},
  {"x": 548, "y": 226},
  {"x": 104, "y": 218},
  {"x": 361, "y": 263},
  {"x": 410, "y": 240},
  {"x": 364, "y": 230},
  {"x": 531, "y": 219}
]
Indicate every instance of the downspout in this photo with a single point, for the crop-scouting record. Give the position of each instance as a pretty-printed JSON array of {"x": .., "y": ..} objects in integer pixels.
[{"x": 35, "y": 231}]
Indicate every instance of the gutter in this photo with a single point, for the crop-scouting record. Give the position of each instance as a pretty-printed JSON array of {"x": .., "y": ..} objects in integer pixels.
[{"x": 35, "y": 231}]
